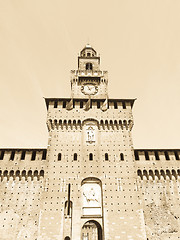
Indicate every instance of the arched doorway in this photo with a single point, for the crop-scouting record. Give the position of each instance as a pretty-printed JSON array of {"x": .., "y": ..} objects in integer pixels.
[
  {"x": 91, "y": 230},
  {"x": 67, "y": 238}
]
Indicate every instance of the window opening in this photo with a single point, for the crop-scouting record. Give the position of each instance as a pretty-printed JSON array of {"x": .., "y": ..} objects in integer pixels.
[
  {"x": 156, "y": 155},
  {"x": 33, "y": 156},
  {"x": 2, "y": 155},
  {"x": 23, "y": 155},
  {"x": 75, "y": 156},
  {"x": 176, "y": 155},
  {"x": 90, "y": 156},
  {"x": 88, "y": 66},
  {"x": 167, "y": 155},
  {"x": 81, "y": 104},
  {"x": 106, "y": 157},
  {"x": 64, "y": 104},
  {"x": 44, "y": 154},
  {"x": 124, "y": 105},
  {"x": 115, "y": 105},
  {"x": 136, "y": 155},
  {"x": 146, "y": 155},
  {"x": 59, "y": 156},
  {"x": 55, "y": 104},
  {"x": 121, "y": 156},
  {"x": 12, "y": 155}
]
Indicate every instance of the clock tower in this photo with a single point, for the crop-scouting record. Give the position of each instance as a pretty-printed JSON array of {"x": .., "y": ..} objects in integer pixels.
[{"x": 89, "y": 80}]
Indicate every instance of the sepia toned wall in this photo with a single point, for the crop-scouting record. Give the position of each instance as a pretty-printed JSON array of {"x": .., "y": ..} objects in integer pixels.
[{"x": 159, "y": 188}]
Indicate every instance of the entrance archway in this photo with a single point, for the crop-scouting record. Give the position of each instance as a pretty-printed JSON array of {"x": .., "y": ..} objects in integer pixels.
[
  {"x": 67, "y": 238},
  {"x": 91, "y": 230}
]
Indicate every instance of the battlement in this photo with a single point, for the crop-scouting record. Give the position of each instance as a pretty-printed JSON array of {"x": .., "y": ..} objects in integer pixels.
[
  {"x": 22, "y": 164},
  {"x": 13, "y": 154},
  {"x": 18, "y": 175},
  {"x": 61, "y": 103},
  {"x": 157, "y": 154},
  {"x": 78, "y": 124},
  {"x": 163, "y": 174},
  {"x": 88, "y": 73}
]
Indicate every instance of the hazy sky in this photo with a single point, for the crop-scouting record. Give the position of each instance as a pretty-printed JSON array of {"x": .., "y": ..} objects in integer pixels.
[{"x": 139, "y": 44}]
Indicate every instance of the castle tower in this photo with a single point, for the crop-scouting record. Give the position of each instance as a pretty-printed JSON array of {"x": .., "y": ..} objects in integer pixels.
[
  {"x": 91, "y": 177},
  {"x": 89, "y": 183}
]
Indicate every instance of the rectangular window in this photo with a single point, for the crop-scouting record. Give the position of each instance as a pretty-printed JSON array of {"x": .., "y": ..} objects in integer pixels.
[
  {"x": 33, "y": 157},
  {"x": 12, "y": 155},
  {"x": 124, "y": 105},
  {"x": 146, "y": 155},
  {"x": 115, "y": 105},
  {"x": 176, "y": 155},
  {"x": 136, "y": 155},
  {"x": 23, "y": 155},
  {"x": 156, "y": 155},
  {"x": 98, "y": 104},
  {"x": 44, "y": 154},
  {"x": 166, "y": 155},
  {"x": 81, "y": 104},
  {"x": 2, "y": 155},
  {"x": 64, "y": 104},
  {"x": 55, "y": 104}
]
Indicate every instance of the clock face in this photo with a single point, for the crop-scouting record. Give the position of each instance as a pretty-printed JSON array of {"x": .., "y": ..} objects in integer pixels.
[{"x": 89, "y": 89}]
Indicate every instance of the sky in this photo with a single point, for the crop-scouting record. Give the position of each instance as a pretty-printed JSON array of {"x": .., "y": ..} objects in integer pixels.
[{"x": 139, "y": 45}]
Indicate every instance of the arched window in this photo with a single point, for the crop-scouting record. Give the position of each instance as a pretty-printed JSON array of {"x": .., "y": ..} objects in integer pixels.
[
  {"x": 90, "y": 156},
  {"x": 59, "y": 156},
  {"x": 121, "y": 156},
  {"x": 89, "y": 66},
  {"x": 75, "y": 156},
  {"x": 106, "y": 157}
]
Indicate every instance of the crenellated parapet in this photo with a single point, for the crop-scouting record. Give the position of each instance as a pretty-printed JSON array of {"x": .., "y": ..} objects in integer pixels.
[
  {"x": 78, "y": 124},
  {"x": 20, "y": 175},
  {"x": 22, "y": 164},
  {"x": 115, "y": 104},
  {"x": 13, "y": 154},
  {"x": 157, "y": 154},
  {"x": 77, "y": 74},
  {"x": 160, "y": 174},
  {"x": 157, "y": 164}
]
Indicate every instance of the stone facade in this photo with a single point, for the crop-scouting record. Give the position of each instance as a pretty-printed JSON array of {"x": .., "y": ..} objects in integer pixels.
[{"x": 90, "y": 183}]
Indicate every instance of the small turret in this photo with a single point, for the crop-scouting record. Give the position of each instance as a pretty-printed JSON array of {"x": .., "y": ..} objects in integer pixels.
[{"x": 89, "y": 79}]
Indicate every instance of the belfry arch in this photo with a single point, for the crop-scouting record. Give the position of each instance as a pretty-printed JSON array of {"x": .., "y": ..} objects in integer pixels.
[{"x": 91, "y": 230}]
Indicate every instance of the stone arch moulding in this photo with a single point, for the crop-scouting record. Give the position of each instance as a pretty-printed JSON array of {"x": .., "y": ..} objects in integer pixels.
[
  {"x": 92, "y": 120},
  {"x": 91, "y": 197}
]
